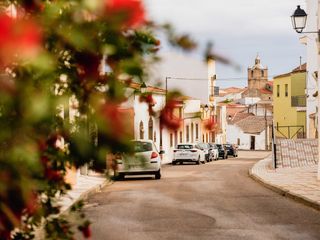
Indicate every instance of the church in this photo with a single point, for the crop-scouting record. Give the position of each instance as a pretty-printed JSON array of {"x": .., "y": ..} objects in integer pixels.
[{"x": 259, "y": 87}]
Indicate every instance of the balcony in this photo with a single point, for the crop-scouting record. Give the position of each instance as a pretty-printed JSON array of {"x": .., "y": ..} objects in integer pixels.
[{"x": 298, "y": 101}]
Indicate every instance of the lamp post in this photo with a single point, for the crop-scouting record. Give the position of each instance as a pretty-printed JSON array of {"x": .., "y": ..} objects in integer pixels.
[{"x": 299, "y": 20}]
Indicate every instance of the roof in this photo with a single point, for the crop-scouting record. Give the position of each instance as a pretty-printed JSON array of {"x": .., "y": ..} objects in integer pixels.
[
  {"x": 238, "y": 116},
  {"x": 302, "y": 68},
  {"x": 230, "y": 90},
  {"x": 265, "y": 91},
  {"x": 253, "y": 124}
]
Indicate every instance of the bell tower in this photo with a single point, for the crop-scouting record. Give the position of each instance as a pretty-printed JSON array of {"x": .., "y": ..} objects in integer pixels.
[{"x": 257, "y": 76}]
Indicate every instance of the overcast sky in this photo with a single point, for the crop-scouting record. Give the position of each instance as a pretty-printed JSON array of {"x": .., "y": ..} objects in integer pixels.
[{"x": 239, "y": 30}]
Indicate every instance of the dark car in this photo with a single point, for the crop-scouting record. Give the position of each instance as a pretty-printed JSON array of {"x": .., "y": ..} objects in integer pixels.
[
  {"x": 232, "y": 150},
  {"x": 222, "y": 151}
]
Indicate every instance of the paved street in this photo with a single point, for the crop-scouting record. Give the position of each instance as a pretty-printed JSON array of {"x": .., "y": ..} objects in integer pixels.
[{"x": 216, "y": 200}]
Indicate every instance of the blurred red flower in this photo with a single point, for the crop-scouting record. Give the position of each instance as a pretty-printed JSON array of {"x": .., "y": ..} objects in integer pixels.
[
  {"x": 18, "y": 39},
  {"x": 167, "y": 118},
  {"x": 130, "y": 11},
  {"x": 210, "y": 124}
]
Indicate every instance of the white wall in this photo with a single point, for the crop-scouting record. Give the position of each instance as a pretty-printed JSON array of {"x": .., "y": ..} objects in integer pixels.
[
  {"x": 249, "y": 100},
  {"x": 234, "y": 132},
  {"x": 312, "y": 58}
]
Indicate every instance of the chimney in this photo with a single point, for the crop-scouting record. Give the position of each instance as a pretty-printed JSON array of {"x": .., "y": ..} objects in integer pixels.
[{"x": 211, "y": 64}]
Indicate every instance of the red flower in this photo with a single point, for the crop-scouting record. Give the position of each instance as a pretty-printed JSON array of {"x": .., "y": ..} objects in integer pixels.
[
  {"x": 18, "y": 38},
  {"x": 86, "y": 231},
  {"x": 149, "y": 100},
  {"x": 130, "y": 11},
  {"x": 210, "y": 124},
  {"x": 167, "y": 118},
  {"x": 116, "y": 120}
]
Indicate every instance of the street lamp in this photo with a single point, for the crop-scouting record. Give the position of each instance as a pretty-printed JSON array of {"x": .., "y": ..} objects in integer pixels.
[{"x": 299, "y": 21}]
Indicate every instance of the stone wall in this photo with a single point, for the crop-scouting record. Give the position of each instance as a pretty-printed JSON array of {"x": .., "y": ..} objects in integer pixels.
[{"x": 296, "y": 152}]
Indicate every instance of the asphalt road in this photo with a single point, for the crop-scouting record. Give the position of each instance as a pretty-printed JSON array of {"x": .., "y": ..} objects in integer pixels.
[{"x": 216, "y": 200}]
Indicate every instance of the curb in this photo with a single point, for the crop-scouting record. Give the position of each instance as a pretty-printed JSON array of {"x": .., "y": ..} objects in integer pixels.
[
  {"x": 89, "y": 192},
  {"x": 284, "y": 192}
]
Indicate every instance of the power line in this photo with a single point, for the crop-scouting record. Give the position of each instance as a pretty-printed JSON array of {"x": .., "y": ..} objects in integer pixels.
[{"x": 206, "y": 79}]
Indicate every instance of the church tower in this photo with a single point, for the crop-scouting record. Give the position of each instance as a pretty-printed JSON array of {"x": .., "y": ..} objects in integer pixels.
[{"x": 257, "y": 76}]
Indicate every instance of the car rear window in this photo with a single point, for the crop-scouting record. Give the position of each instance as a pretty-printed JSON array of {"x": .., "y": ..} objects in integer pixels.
[
  {"x": 142, "y": 146},
  {"x": 185, "y": 146}
]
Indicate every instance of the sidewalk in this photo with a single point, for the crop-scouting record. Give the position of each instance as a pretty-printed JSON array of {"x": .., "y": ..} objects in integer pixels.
[
  {"x": 85, "y": 186},
  {"x": 299, "y": 183}
]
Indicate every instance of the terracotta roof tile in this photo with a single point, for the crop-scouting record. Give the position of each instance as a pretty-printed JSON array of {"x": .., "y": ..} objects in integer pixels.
[{"x": 253, "y": 124}]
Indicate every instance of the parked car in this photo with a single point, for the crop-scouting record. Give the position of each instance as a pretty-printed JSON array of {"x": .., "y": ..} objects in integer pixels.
[
  {"x": 231, "y": 150},
  {"x": 222, "y": 151},
  {"x": 206, "y": 148},
  {"x": 214, "y": 151},
  {"x": 188, "y": 152},
  {"x": 145, "y": 160}
]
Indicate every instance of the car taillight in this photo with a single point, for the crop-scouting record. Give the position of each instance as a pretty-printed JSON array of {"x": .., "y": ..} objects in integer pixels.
[
  {"x": 154, "y": 155},
  {"x": 193, "y": 150}
]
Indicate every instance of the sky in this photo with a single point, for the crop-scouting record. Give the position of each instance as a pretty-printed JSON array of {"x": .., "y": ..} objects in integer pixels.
[{"x": 239, "y": 30}]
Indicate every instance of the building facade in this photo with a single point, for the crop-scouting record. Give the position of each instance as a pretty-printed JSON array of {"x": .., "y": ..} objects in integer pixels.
[{"x": 289, "y": 104}]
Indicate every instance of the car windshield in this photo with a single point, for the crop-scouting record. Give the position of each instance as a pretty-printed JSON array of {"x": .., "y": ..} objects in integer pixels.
[
  {"x": 185, "y": 146},
  {"x": 142, "y": 146},
  {"x": 219, "y": 146},
  {"x": 228, "y": 146}
]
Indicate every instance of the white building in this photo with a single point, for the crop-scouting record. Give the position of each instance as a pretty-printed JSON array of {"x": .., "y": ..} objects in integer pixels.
[
  {"x": 249, "y": 132},
  {"x": 310, "y": 40}
]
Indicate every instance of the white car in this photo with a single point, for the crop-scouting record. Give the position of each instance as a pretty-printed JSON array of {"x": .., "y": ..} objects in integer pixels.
[
  {"x": 188, "y": 152},
  {"x": 146, "y": 160},
  {"x": 214, "y": 151}
]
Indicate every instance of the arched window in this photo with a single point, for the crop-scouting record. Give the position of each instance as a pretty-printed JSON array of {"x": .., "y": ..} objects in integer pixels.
[
  {"x": 192, "y": 129},
  {"x": 187, "y": 134},
  {"x": 141, "y": 130},
  {"x": 150, "y": 128}
]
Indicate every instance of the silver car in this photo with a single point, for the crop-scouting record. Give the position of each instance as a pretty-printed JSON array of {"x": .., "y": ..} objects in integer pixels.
[{"x": 145, "y": 160}]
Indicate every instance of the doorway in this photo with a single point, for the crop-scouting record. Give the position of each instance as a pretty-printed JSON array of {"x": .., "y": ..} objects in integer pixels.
[{"x": 252, "y": 142}]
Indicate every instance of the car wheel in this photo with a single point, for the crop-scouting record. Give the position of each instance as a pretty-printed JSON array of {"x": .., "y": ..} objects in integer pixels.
[
  {"x": 198, "y": 162},
  {"x": 158, "y": 175},
  {"x": 174, "y": 162},
  {"x": 121, "y": 176}
]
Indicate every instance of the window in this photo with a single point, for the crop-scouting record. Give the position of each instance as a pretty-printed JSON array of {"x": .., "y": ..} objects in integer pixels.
[
  {"x": 192, "y": 130},
  {"x": 180, "y": 137},
  {"x": 202, "y": 137},
  {"x": 187, "y": 133},
  {"x": 171, "y": 140},
  {"x": 180, "y": 112},
  {"x": 197, "y": 131},
  {"x": 175, "y": 137},
  {"x": 207, "y": 137},
  {"x": 150, "y": 128},
  {"x": 141, "y": 130},
  {"x": 155, "y": 137},
  {"x": 238, "y": 141},
  {"x": 286, "y": 90},
  {"x": 278, "y": 90}
]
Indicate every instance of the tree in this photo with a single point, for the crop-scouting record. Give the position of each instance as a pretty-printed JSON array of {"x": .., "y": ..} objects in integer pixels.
[{"x": 51, "y": 51}]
